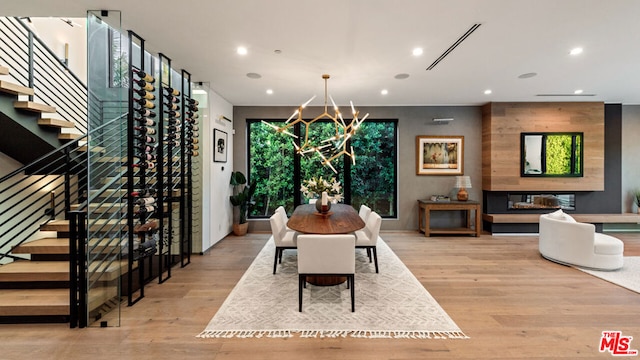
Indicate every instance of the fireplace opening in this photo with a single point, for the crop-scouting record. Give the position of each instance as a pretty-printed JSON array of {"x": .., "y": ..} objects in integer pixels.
[{"x": 534, "y": 201}]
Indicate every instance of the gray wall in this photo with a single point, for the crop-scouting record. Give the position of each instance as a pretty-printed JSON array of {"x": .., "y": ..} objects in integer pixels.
[{"x": 412, "y": 121}]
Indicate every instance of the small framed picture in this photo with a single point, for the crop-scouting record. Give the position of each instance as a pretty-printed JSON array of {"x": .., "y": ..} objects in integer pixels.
[
  {"x": 219, "y": 146},
  {"x": 439, "y": 155}
]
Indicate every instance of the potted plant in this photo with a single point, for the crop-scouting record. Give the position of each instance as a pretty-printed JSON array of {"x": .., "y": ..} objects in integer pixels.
[{"x": 241, "y": 200}]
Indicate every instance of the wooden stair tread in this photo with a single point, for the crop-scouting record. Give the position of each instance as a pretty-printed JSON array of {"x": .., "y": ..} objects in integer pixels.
[
  {"x": 16, "y": 89},
  {"x": 33, "y": 106},
  {"x": 43, "y": 246},
  {"x": 57, "y": 123},
  {"x": 47, "y": 302},
  {"x": 59, "y": 246},
  {"x": 68, "y": 136},
  {"x": 94, "y": 149},
  {"x": 4, "y": 70},
  {"x": 63, "y": 225},
  {"x": 25, "y": 270},
  {"x": 33, "y": 302}
]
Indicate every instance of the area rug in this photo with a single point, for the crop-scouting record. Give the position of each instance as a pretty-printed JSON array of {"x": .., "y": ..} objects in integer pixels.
[
  {"x": 627, "y": 277},
  {"x": 390, "y": 304}
]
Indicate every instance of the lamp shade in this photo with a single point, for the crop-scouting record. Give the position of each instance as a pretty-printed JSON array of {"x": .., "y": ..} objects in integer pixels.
[{"x": 463, "y": 182}]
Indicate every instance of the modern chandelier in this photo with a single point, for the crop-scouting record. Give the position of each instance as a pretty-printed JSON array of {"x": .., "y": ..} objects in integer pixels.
[{"x": 333, "y": 147}]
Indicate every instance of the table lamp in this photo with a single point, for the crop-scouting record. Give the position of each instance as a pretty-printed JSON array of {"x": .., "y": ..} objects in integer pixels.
[{"x": 463, "y": 183}]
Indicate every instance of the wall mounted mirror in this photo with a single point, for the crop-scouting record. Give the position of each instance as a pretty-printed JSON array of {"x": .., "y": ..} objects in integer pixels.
[{"x": 551, "y": 154}]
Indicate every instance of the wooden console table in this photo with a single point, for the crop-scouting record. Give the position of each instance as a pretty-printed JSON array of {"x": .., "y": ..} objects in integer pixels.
[{"x": 424, "y": 213}]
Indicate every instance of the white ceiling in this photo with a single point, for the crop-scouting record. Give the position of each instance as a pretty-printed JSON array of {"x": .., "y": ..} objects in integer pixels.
[{"x": 363, "y": 44}]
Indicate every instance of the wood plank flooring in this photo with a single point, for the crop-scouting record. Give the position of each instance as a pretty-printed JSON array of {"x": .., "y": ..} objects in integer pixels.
[{"x": 510, "y": 302}]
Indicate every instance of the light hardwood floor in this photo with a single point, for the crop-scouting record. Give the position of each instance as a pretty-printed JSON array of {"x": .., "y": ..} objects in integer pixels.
[{"x": 510, "y": 302}]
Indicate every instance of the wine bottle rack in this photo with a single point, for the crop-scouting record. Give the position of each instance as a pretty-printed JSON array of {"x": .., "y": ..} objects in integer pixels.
[{"x": 162, "y": 137}]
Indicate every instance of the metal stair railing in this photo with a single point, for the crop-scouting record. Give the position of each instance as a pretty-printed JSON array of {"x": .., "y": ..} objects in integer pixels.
[{"x": 38, "y": 67}]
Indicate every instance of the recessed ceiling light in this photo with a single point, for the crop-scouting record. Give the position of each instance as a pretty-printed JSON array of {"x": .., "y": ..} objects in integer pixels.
[
  {"x": 254, "y": 75},
  {"x": 269, "y": 91},
  {"x": 241, "y": 50},
  {"x": 488, "y": 91},
  {"x": 417, "y": 51},
  {"x": 277, "y": 51},
  {"x": 579, "y": 91},
  {"x": 527, "y": 75},
  {"x": 576, "y": 51},
  {"x": 401, "y": 76},
  {"x": 384, "y": 92}
]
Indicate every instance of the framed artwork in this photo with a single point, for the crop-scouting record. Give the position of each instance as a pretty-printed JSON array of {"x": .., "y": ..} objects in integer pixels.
[
  {"x": 439, "y": 155},
  {"x": 219, "y": 146}
]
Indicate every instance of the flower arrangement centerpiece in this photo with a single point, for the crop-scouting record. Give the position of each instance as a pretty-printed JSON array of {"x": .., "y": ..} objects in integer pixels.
[{"x": 316, "y": 186}]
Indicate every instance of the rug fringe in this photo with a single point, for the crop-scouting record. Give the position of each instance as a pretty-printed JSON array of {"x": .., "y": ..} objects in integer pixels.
[{"x": 366, "y": 334}]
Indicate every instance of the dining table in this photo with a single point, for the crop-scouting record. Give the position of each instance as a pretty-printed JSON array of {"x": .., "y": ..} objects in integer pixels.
[{"x": 341, "y": 219}]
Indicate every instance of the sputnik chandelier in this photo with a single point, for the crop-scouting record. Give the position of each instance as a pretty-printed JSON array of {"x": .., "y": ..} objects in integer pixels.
[{"x": 333, "y": 147}]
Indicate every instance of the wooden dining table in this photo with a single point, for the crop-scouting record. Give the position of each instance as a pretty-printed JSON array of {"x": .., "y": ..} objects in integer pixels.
[{"x": 342, "y": 219}]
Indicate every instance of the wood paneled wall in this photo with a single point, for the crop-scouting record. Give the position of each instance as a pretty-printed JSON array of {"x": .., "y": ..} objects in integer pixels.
[{"x": 502, "y": 124}]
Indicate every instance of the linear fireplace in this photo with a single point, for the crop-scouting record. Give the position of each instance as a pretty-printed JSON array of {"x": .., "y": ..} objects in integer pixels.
[{"x": 541, "y": 201}]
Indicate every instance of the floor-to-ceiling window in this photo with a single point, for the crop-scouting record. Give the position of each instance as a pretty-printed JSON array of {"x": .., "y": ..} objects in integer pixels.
[{"x": 279, "y": 171}]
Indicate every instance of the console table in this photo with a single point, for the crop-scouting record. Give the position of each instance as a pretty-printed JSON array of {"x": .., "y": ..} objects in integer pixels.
[{"x": 424, "y": 213}]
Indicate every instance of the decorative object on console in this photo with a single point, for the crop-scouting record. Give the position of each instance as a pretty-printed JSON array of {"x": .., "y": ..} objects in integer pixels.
[
  {"x": 324, "y": 149},
  {"x": 463, "y": 183},
  {"x": 439, "y": 155}
]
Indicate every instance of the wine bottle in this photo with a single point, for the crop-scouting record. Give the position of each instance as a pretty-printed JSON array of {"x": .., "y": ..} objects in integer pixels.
[
  {"x": 145, "y": 121},
  {"x": 172, "y": 106},
  {"x": 171, "y": 99},
  {"x": 192, "y": 101},
  {"x": 143, "y": 75},
  {"x": 145, "y": 85},
  {"x": 193, "y": 108},
  {"x": 146, "y": 113},
  {"x": 175, "y": 143},
  {"x": 193, "y": 115},
  {"x": 173, "y": 121},
  {"x": 145, "y": 201},
  {"x": 172, "y": 128},
  {"x": 192, "y": 152},
  {"x": 145, "y": 148},
  {"x": 144, "y": 102},
  {"x": 171, "y": 91},
  {"x": 172, "y": 113},
  {"x": 172, "y": 136},
  {"x": 144, "y": 94},
  {"x": 146, "y": 138},
  {"x": 145, "y": 130},
  {"x": 146, "y": 209},
  {"x": 144, "y": 192},
  {"x": 194, "y": 128},
  {"x": 194, "y": 134},
  {"x": 192, "y": 147},
  {"x": 144, "y": 165},
  {"x": 145, "y": 156},
  {"x": 194, "y": 141}
]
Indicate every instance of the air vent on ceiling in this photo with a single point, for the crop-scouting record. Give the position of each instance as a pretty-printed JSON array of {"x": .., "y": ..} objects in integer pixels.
[{"x": 455, "y": 45}]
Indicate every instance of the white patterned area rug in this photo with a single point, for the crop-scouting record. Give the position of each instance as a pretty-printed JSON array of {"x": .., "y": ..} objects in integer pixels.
[
  {"x": 627, "y": 277},
  {"x": 391, "y": 304}
]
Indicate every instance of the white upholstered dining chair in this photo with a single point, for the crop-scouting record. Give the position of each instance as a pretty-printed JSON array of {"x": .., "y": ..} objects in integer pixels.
[
  {"x": 283, "y": 215},
  {"x": 367, "y": 238},
  {"x": 283, "y": 238},
  {"x": 326, "y": 255},
  {"x": 364, "y": 212}
]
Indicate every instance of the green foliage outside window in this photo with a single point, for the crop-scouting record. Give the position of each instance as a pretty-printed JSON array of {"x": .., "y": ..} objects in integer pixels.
[{"x": 373, "y": 177}]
